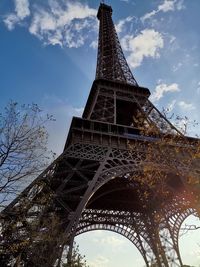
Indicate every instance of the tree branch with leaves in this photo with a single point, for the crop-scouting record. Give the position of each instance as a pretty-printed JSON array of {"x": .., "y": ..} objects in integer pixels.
[{"x": 23, "y": 147}]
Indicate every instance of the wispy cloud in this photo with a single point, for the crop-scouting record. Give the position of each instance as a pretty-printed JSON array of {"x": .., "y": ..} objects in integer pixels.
[
  {"x": 177, "y": 66},
  {"x": 112, "y": 241},
  {"x": 120, "y": 25},
  {"x": 99, "y": 261},
  {"x": 94, "y": 44},
  {"x": 163, "y": 88},
  {"x": 64, "y": 23},
  {"x": 198, "y": 88},
  {"x": 167, "y": 5},
  {"x": 171, "y": 106},
  {"x": 186, "y": 106},
  {"x": 22, "y": 8},
  {"x": 146, "y": 44},
  {"x": 21, "y": 12}
]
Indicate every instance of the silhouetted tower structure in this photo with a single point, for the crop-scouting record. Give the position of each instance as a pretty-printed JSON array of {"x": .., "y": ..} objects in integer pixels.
[{"x": 100, "y": 181}]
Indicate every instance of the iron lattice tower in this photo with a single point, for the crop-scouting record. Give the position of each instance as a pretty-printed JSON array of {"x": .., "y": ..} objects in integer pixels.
[{"x": 100, "y": 181}]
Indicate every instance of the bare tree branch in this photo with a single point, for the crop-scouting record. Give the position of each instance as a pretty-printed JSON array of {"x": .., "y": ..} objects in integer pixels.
[{"x": 23, "y": 147}]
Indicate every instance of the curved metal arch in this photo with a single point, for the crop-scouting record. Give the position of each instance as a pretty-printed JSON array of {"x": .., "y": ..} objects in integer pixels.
[
  {"x": 179, "y": 219},
  {"x": 126, "y": 170},
  {"x": 132, "y": 237},
  {"x": 116, "y": 171},
  {"x": 173, "y": 225},
  {"x": 111, "y": 169},
  {"x": 118, "y": 168},
  {"x": 106, "y": 176},
  {"x": 108, "y": 227}
]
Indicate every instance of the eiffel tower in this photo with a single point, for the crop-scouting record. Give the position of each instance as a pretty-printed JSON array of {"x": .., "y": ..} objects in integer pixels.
[{"x": 100, "y": 180}]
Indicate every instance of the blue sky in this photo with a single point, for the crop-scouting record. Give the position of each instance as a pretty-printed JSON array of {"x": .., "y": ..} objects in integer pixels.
[{"x": 48, "y": 56}]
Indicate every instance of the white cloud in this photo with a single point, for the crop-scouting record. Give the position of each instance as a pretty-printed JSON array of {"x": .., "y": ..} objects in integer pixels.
[
  {"x": 120, "y": 25},
  {"x": 172, "y": 39},
  {"x": 171, "y": 106},
  {"x": 10, "y": 21},
  {"x": 181, "y": 124},
  {"x": 177, "y": 67},
  {"x": 195, "y": 253},
  {"x": 163, "y": 88},
  {"x": 186, "y": 106},
  {"x": 22, "y": 8},
  {"x": 180, "y": 5},
  {"x": 148, "y": 15},
  {"x": 99, "y": 262},
  {"x": 66, "y": 23},
  {"x": 167, "y": 5},
  {"x": 112, "y": 241},
  {"x": 94, "y": 44},
  {"x": 21, "y": 12},
  {"x": 146, "y": 44},
  {"x": 63, "y": 25},
  {"x": 198, "y": 88}
]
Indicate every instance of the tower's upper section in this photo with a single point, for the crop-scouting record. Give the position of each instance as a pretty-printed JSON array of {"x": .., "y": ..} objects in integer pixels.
[{"x": 111, "y": 63}]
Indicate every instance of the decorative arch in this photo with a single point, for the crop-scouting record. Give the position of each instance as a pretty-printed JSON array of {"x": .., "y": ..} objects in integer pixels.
[
  {"x": 178, "y": 220},
  {"x": 139, "y": 242},
  {"x": 124, "y": 164}
]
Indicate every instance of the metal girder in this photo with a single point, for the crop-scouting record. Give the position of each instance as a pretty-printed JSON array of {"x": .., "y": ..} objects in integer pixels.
[
  {"x": 111, "y": 63},
  {"x": 60, "y": 199},
  {"x": 144, "y": 114}
]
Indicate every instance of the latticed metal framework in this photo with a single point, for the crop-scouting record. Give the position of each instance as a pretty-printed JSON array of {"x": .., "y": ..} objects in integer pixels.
[
  {"x": 111, "y": 63},
  {"x": 103, "y": 179}
]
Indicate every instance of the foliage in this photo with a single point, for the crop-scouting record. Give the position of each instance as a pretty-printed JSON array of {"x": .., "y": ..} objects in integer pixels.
[
  {"x": 77, "y": 259},
  {"x": 168, "y": 162},
  {"x": 163, "y": 157},
  {"x": 23, "y": 147},
  {"x": 168, "y": 172}
]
